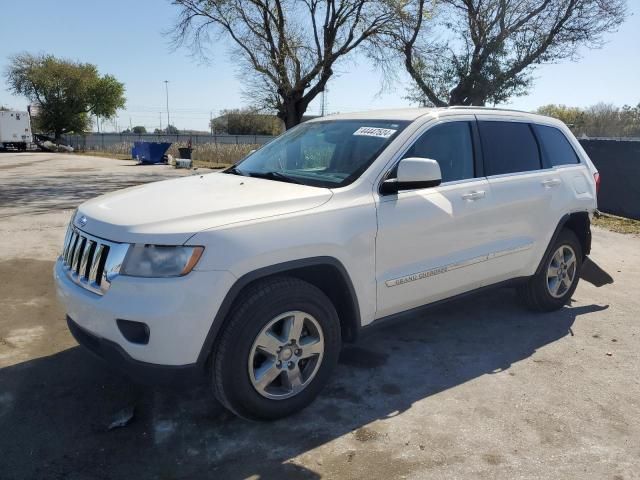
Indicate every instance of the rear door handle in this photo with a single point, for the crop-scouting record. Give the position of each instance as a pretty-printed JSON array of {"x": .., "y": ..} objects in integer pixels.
[
  {"x": 472, "y": 196},
  {"x": 551, "y": 182}
]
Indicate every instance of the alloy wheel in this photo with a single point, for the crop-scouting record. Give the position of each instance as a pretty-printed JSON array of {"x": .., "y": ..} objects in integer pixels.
[
  {"x": 286, "y": 355},
  {"x": 561, "y": 271}
]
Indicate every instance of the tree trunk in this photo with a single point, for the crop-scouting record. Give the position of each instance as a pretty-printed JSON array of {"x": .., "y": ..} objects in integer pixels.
[
  {"x": 467, "y": 96},
  {"x": 461, "y": 94},
  {"x": 291, "y": 112}
]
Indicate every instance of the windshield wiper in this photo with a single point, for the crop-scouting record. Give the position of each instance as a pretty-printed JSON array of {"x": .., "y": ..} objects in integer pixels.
[
  {"x": 234, "y": 171},
  {"x": 274, "y": 176}
]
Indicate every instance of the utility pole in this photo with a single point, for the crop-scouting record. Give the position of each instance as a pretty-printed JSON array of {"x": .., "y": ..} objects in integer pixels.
[
  {"x": 166, "y": 85},
  {"x": 323, "y": 102},
  {"x": 211, "y": 122}
]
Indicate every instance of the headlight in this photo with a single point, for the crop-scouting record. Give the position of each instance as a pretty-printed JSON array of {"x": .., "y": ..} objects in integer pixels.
[{"x": 160, "y": 261}]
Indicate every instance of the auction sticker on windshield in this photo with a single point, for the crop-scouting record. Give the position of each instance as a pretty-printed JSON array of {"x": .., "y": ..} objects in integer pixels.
[{"x": 375, "y": 132}]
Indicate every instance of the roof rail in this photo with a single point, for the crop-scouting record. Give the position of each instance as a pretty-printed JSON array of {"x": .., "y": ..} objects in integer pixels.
[{"x": 471, "y": 107}]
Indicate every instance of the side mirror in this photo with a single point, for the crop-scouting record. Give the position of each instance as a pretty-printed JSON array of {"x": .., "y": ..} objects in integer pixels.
[{"x": 413, "y": 172}]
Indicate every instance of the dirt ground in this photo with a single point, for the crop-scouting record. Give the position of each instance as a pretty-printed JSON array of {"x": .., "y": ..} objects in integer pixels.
[{"x": 479, "y": 388}]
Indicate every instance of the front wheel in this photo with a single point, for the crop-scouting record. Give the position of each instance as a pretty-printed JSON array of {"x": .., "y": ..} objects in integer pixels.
[
  {"x": 277, "y": 350},
  {"x": 552, "y": 287}
]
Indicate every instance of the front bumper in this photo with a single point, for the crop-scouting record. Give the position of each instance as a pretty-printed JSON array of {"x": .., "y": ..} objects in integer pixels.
[
  {"x": 150, "y": 373},
  {"x": 179, "y": 312}
]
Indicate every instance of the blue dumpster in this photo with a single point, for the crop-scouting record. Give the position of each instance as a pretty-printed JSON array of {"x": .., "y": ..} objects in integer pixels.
[{"x": 149, "y": 152}]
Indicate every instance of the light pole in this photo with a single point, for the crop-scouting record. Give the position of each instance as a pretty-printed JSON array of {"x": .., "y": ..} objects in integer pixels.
[{"x": 166, "y": 85}]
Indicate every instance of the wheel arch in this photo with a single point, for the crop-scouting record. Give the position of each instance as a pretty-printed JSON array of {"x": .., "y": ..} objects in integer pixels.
[
  {"x": 326, "y": 273},
  {"x": 580, "y": 224}
]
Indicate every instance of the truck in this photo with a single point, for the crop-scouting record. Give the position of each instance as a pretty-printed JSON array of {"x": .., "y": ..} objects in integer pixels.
[{"x": 15, "y": 129}]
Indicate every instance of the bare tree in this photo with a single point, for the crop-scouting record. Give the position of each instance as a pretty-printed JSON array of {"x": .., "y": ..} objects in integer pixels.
[
  {"x": 471, "y": 52},
  {"x": 288, "y": 47}
]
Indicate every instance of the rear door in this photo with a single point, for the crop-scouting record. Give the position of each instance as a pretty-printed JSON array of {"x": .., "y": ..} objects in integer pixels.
[
  {"x": 572, "y": 180},
  {"x": 522, "y": 190}
]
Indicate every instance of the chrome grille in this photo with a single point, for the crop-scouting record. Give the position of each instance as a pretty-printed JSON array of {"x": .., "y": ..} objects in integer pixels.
[{"x": 92, "y": 262}]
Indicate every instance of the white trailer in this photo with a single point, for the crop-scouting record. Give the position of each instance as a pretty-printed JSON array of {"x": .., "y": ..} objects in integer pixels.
[{"x": 15, "y": 129}]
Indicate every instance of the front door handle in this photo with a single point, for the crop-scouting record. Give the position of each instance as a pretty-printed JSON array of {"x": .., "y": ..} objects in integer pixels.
[
  {"x": 473, "y": 196},
  {"x": 551, "y": 182}
]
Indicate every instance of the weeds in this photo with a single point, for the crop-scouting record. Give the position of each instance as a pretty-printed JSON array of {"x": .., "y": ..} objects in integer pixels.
[
  {"x": 617, "y": 224},
  {"x": 212, "y": 155}
]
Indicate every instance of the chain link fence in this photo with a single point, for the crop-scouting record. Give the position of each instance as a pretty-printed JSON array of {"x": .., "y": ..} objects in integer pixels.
[
  {"x": 106, "y": 141},
  {"x": 213, "y": 151}
]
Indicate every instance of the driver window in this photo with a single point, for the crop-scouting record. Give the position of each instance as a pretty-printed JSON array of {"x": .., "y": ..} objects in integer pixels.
[{"x": 451, "y": 146}]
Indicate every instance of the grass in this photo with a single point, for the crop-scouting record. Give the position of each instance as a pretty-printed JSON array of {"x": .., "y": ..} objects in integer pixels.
[
  {"x": 210, "y": 155},
  {"x": 617, "y": 224}
]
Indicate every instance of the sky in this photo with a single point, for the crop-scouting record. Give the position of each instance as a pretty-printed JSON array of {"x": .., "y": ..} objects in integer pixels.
[{"x": 129, "y": 40}]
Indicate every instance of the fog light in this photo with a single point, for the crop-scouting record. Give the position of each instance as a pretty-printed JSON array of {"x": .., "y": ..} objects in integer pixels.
[{"x": 135, "y": 332}]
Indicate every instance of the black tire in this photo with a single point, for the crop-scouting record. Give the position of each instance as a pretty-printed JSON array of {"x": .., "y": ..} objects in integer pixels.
[
  {"x": 535, "y": 294},
  {"x": 253, "y": 310}
]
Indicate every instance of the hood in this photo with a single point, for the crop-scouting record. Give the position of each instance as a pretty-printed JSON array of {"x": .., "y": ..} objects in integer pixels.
[{"x": 171, "y": 211}]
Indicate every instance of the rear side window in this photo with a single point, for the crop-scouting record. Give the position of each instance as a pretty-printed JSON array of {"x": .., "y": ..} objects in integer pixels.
[
  {"x": 556, "y": 149},
  {"x": 451, "y": 146},
  {"x": 508, "y": 147}
]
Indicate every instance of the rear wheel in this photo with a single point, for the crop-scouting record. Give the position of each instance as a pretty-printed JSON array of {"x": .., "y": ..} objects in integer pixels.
[
  {"x": 277, "y": 350},
  {"x": 553, "y": 286}
]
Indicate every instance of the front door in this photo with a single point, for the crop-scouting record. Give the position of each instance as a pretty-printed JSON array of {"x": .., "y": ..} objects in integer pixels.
[{"x": 432, "y": 243}]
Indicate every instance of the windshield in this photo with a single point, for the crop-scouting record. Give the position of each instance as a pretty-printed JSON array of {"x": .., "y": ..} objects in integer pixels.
[{"x": 324, "y": 154}]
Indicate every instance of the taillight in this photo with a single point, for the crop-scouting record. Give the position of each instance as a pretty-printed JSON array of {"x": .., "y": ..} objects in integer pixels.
[{"x": 596, "y": 177}]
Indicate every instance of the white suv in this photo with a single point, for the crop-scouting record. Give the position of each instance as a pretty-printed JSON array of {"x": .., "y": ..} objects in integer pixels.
[{"x": 254, "y": 276}]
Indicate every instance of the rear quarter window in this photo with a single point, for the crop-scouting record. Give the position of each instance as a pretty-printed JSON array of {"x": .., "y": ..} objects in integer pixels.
[
  {"x": 508, "y": 147},
  {"x": 556, "y": 149}
]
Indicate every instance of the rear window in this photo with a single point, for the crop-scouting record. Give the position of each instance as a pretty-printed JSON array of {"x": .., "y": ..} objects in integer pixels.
[
  {"x": 556, "y": 149},
  {"x": 508, "y": 147}
]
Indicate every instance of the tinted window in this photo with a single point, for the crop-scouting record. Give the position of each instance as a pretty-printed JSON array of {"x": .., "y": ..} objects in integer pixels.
[
  {"x": 508, "y": 147},
  {"x": 451, "y": 146},
  {"x": 556, "y": 149}
]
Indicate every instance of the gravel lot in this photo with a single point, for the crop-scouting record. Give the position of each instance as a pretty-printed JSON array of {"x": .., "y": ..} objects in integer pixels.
[{"x": 479, "y": 388}]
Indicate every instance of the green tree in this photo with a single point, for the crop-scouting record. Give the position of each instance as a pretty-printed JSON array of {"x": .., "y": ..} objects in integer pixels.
[
  {"x": 246, "y": 121},
  {"x": 219, "y": 125},
  {"x": 67, "y": 92},
  {"x": 630, "y": 117},
  {"x": 599, "y": 120},
  {"x": 139, "y": 129},
  {"x": 574, "y": 117},
  {"x": 171, "y": 130}
]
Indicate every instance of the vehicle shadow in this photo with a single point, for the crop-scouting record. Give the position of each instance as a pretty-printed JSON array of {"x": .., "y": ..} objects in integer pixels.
[
  {"x": 54, "y": 411},
  {"x": 594, "y": 273}
]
